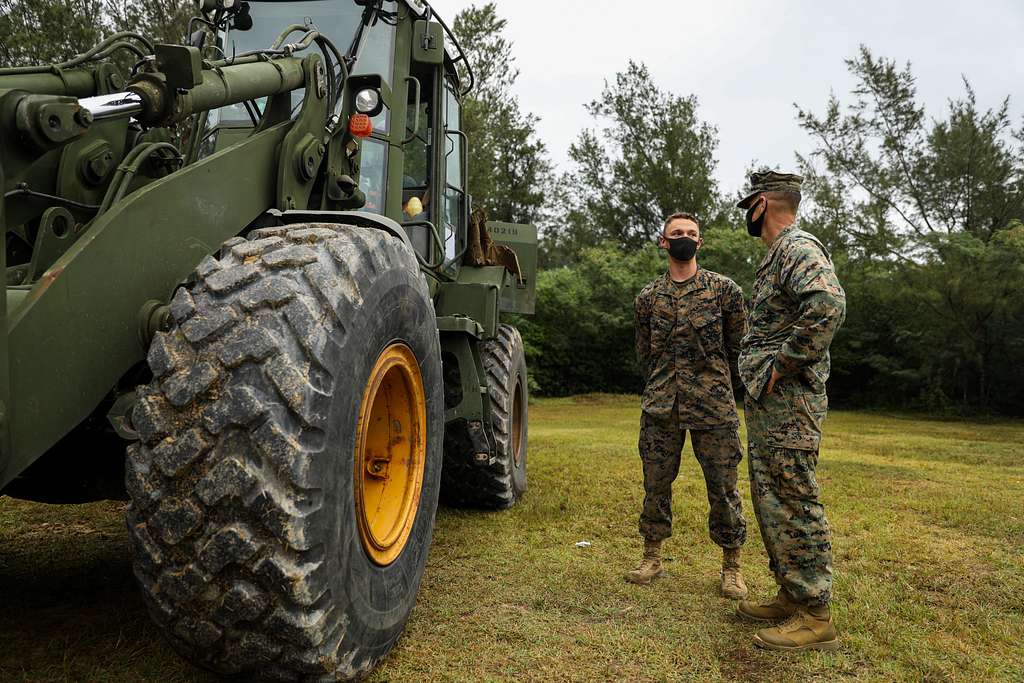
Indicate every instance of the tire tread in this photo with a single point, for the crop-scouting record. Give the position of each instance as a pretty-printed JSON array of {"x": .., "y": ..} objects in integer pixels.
[
  {"x": 488, "y": 486},
  {"x": 221, "y": 483}
]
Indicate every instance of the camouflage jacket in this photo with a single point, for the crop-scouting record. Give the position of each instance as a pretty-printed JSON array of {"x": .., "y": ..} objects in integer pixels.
[
  {"x": 798, "y": 305},
  {"x": 688, "y": 341}
]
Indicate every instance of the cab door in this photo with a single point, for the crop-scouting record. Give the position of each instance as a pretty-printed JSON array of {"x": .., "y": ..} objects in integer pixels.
[{"x": 434, "y": 206}]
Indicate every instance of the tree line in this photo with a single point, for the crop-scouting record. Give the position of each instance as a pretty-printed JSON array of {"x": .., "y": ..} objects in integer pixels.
[
  {"x": 922, "y": 215},
  {"x": 53, "y": 31}
]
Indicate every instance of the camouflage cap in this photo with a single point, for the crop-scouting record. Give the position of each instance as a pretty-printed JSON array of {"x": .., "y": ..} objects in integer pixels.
[{"x": 770, "y": 181}]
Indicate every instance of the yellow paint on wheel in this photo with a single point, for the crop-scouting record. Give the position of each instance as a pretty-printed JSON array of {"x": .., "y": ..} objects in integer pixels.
[{"x": 391, "y": 451}]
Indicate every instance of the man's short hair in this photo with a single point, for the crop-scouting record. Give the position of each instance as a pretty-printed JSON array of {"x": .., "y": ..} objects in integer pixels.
[
  {"x": 678, "y": 216},
  {"x": 788, "y": 197}
]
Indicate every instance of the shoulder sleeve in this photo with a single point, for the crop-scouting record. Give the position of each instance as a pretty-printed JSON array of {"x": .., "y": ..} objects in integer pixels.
[
  {"x": 734, "y": 326},
  {"x": 806, "y": 267},
  {"x": 807, "y": 275},
  {"x": 642, "y": 328}
]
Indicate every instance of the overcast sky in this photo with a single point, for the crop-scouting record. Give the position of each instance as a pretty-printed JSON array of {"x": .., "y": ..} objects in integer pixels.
[{"x": 748, "y": 62}]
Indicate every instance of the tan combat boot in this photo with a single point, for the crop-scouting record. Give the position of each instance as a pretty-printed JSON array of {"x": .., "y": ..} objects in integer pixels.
[
  {"x": 650, "y": 567},
  {"x": 733, "y": 586},
  {"x": 781, "y": 607},
  {"x": 811, "y": 628}
]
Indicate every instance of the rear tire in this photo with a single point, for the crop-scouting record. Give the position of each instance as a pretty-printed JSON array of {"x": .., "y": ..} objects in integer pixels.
[
  {"x": 245, "y": 515},
  {"x": 502, "y": 483}
]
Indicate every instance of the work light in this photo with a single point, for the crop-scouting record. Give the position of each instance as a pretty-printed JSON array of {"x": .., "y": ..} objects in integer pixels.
[{"x": 368, "y": 102}]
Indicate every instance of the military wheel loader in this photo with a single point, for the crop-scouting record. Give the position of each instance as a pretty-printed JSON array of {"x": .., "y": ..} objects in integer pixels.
[{"x": 252, "y": 259}]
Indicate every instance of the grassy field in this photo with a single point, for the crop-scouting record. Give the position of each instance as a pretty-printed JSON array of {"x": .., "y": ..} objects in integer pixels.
[{"x": 928, "y": 519}]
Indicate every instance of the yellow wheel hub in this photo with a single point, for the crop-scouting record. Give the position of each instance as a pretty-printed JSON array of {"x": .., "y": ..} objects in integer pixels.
[{"x": 390, "y": 453}]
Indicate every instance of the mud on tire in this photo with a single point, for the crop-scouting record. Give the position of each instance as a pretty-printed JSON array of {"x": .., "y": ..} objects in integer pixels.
[
  {"x": 502, "y": 483},
  {"x": 242, "y": 514}
]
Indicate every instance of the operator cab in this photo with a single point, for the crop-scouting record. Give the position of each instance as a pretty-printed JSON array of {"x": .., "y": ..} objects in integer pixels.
[{"x": 412, "y": 166}]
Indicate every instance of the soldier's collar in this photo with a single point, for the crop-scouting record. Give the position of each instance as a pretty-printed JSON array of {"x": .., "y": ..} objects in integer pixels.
[
  {"x": 686, "y": 286},
  {"x": 786, "y": 230}
]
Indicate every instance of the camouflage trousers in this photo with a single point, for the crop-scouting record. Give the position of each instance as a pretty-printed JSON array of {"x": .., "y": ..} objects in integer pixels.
[
  {"x": 785, "y": 494},
  {"x": 717, "y": 450}
]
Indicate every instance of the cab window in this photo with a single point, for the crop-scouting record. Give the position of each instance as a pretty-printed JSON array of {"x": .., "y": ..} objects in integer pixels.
[
  {"x": 373, "y": 173},
  {"x": 338, "y": 20},
  {"x": 455, "y": 201}
]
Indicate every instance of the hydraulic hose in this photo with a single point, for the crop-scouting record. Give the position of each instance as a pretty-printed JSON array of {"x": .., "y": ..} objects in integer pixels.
[{"x": 127, "y": 170}]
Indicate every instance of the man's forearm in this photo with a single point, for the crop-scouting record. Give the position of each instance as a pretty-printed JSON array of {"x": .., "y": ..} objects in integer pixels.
[
  {"x": 821, "y": 315},
  {"x": 736, "y": 329}
]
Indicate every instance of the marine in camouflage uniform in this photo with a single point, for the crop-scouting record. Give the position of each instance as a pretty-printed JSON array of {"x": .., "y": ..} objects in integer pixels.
[
  {"x": 798, "y": 305},
  {"x": 688, "y": 340},
  {"x": 688, "y": 337}
]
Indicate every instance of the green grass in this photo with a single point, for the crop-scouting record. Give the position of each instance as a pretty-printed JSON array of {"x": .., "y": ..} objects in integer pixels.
[{"x": 928, "y": 518}]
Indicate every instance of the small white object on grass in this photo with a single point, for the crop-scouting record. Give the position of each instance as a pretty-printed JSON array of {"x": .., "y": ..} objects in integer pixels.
[{"x": 584, "y": 544}]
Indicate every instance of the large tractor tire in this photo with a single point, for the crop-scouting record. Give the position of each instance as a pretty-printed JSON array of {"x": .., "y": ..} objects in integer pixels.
[
  {"x": 502, "y": 482},
  {"x": 284, "y": 487}
]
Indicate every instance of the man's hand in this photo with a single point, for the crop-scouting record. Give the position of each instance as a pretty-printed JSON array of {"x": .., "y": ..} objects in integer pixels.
[{"x": 771, "y": 383}]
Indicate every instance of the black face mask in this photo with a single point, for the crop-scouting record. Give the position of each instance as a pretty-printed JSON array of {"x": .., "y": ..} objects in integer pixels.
[
  {"x": 755, "y": 227},
  {"x": 682, "y": 248}
]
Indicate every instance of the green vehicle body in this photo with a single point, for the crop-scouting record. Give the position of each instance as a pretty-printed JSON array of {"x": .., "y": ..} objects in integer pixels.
[{"x": 104, "y": 220}]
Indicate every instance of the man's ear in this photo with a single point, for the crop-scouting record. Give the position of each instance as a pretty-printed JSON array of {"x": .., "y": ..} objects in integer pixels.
[{"x": 764, "y": 206}]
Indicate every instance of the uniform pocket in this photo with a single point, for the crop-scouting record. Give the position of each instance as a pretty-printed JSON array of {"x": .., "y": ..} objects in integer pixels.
[
  {"x": 792, "y": 416},
  {"x": 663, "y": 319},
  {"x": 661, "y": 328},
  {"x": 816, "y": 406},
  {"x": 707, "y": 321},
  {"x": 794, "y": 473}
]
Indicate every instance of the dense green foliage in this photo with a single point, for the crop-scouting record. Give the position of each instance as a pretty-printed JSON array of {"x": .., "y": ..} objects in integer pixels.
[
  {"x": 922, "y": 217},
  {"x": 899, "y": 346},
  {"x": 45, "y": 31},
  {"x": 165, "y": 21},
  {"x": 943, "y": 334},
  {"x": 27, "y": 36}
]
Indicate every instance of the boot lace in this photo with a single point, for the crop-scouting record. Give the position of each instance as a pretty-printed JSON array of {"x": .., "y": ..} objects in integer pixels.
[
  {"x": 794, "y": 623},
  {"x": 648, "y": 564}
]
